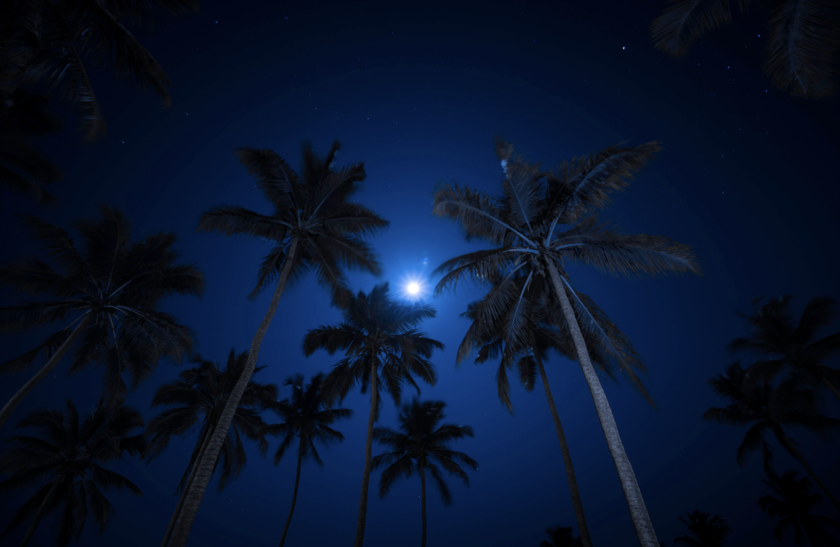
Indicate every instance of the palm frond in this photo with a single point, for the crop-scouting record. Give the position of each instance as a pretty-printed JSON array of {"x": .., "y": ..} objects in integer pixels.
[{"x": 683, "y": 21}]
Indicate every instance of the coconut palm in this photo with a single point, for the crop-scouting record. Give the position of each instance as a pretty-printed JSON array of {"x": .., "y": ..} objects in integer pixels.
[
  {"x": 315, "y": 227},
  {"x": 791, "y": 503},
  {"x": 804, "y": 38},
  {"x": 382, "y": 350},
  {"x": 68, "y": 460},
  {"x": 769, "y": 409},
  {"x": 789, "y": 344},
  {"x": 107, "y": 294},
  {"x": 526, "y": 343},
  {"x": 307, "y": 417},
  {"x": 22, "y": 116},
  {"x": 705, "y": 530},
  {"x": 47, "y": 41},
  {"x": 561, "y": 536},
  {"x": 422, "y": 445},
  {"x": 523, "y": 224},
  {"x": 199, "y": 397}
]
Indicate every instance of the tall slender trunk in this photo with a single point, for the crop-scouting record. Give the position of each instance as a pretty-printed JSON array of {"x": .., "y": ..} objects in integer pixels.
[
  {"x": 208, "y": 462},
  {"x": 205, "y": 440},
  {"x": 40, "y": 513},
  {"x": 45, "y": 370},
  {"x": 567, "y": 459},
  {"x": 374, "y": 400},
  {"x": 785, "y": 442},
  {"x": 423, "y": 502},
  {"x": 294, "y": 494},
  {"x": 632, "y": 493}
]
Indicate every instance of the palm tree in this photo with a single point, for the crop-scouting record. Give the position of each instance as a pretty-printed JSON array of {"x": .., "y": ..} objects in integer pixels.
[
  {"x": 792, "y": 506},
  {"x": 791, "y": 345},
  {"x": 523, "y": 223},
  {"x": 561, "y": 536},
  {"x": 383, "y": 349},
  {"x": 707, "y": 530},
  {"x": 22, "y": 116},
  {"x": 69, "y": 459},
  {"x": 421, "y": 445},
  {"x": 110, "y": 290},
  {"x": 801, "y": 50},
  {"x": 765, "y": 408},
  {"x": 316, "y": 228},
  {"x": 307, "y": 417},
  {"x": 524, "y": 338},
  {"x": 200, "y": 395},
  {"x": 47, "y": 41}
]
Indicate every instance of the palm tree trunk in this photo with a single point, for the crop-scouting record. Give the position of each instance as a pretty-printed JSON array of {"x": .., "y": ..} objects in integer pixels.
[
  {"x": 205, "y": 440},
  {"x": 632, "y": 493},
  {"x": 208, "y": 463},
  {"x": 294, "y": 495},
  {"x": 45, "y": 370},
  {"x": 360, "y": 524},
  {"x": 40, "y": 513},
  {"x": 785, "y": 442},
  {"x": 423, "y": 502},
  {"x": 567, "y": 459}
]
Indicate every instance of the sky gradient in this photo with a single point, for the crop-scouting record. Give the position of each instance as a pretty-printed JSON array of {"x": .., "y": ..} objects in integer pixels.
[{"x": 418, "y": 93}]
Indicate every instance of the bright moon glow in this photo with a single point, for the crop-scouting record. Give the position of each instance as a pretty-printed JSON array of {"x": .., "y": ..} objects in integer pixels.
[{"x": 413, "y": 288}]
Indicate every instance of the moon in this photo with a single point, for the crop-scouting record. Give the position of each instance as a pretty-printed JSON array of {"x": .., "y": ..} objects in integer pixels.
[{"x": 413, "y": 287}]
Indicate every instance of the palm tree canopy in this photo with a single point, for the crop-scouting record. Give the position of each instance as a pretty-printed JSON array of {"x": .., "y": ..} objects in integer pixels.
[
  {"x": 48, "y": 40},
  {"x": 22, "y": 167},
  {"x": 514, "y": 322},
  {"x": 422, "y": 443},
  {"x": 544, "y": 217},
  {"x": 763, "y": 408},
  {"x": 804, "y": 38},
  {"x": 118, "y": 283},
  {"x": 200, "y": 394},
  {"x": 377, "y": 331},
  {"x": 70, "y": 454},
  {"x": 785, "y": 342},
  {"x": 560, "y": 536},
  {"x": 307, "y": 417},
  {"x": 791, "y": 502},
  {"x": 313, "y": 209},
  {"x": 705, "y": 530}
]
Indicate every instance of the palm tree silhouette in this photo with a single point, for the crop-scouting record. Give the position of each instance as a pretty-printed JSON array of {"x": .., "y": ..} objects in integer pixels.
[
  {"x": 420, "y": 445},
  {"x": 791, "y": 503},
  {"x": 111, "y": 289},
  {"x": 802, "y": 48},
  {"x": 765, "y": 408},
  {"x": 69, "y": 459},
  {"x": 316, "y": 228},
  {"x": 522, "y": 222},
  {"x": 47, "y": 41},
  {"x": 307, "y": 417},
  {"x": 525, "y": 342},
  {"x": 561, "y": 536},
  {"x": 383, "y": 349},
  {"x": 789, "y": 344},
  {"x": 705, "y": 530},
  {"x": 200, "y": 395},
  {"x": 23, "y": 168}
]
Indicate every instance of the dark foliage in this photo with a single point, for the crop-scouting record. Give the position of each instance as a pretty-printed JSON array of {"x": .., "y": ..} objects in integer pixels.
[
  {"x": 705, "y": 530},
  {"x": 116, "y": 283},
  {"x": 560, "y": 536},
  {"x": 48, "y": 40},
  {"x": 790, "y": 503},
  {"x": 67, "y": 462},
  {"x": 200, "y": 395}
]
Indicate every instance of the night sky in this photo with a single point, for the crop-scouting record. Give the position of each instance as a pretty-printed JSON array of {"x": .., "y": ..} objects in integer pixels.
[{"x": 745, "y": 178}]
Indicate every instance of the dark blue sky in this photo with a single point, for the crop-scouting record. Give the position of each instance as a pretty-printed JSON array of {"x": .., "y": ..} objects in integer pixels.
[{"x": 745, "y": 178}]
